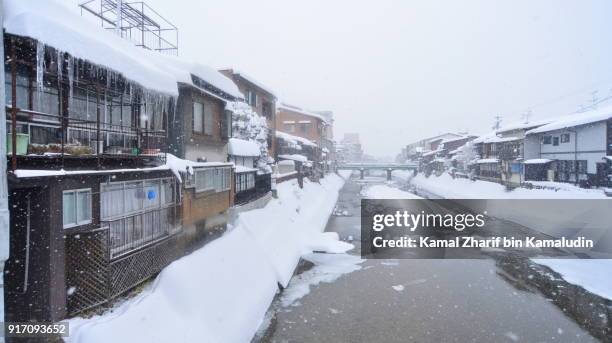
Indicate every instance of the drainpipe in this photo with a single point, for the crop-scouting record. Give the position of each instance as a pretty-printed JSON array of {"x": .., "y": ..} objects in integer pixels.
[{"x": 4, "y": 213}]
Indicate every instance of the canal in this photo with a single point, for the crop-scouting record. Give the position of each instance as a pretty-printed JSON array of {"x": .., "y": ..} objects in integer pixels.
[{"x": 501, "y": 298}]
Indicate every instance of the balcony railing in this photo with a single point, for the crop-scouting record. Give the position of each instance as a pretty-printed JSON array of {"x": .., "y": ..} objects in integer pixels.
[{"x": 137, "y": 231}]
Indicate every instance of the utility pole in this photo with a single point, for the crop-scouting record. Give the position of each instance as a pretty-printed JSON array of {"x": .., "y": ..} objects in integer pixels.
[
  {"x": 4, "y": 213},
  {"x": 497, "y": 123},
  {"x": 527, "y": 115}
]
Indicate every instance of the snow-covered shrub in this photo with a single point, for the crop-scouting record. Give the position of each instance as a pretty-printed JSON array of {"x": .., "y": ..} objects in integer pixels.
[
  {"x": 466, "y": 155},
  {"x": 248, "y": 125}
]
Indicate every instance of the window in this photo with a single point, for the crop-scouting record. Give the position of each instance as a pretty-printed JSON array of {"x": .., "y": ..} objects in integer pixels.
[
  {"x": 245, "y": 181},
  {"x": 198, "y": 117},
  {"x": 76, "y": 207},
  {"x": 212, "y": 179},
  {"x": 119, "y": 199},
  {"x": 565, "y": 138},
  {"x": 208, "y": 120},
  {"x": 555, "y": 141},
  {"x": 226, "y": 125},
  {"x": 251, "y": 98},
  {"x": 138, "y": 212},
  {"x": 546, "y": 139},
  {"x": 303, "y": 127},
  {"x": 289, "y": 127}
]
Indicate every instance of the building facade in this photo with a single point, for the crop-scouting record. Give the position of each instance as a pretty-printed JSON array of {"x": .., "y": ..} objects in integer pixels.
[{"x": 572, "y": 149}]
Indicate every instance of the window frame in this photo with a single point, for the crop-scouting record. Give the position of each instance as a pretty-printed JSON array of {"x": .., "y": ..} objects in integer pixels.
[
  {"x": 220, "y": 177},
  {"x": 565, "y": 138},
  {"x": 77, "y": 208},
  {"x": 195, "y": 128},
  {"x": 547, "y": 139}
]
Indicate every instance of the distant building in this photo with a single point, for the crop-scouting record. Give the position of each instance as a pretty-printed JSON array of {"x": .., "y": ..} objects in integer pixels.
[
  {"x": 306, "y": 124},
  {"x": 328, "y": 143},
  {"x": 414, "y": 150},
  {"x": 351, "y": 148}
]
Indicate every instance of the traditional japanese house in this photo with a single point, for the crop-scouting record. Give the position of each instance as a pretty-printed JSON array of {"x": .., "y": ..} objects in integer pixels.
[
  {"x": 200, "y": 132},
  {"x": 96, "y": 202},
  {"x": 486, "y": 166},
  {"x": 260, "y": 97},
  {"x": 510, "y": 147},
  {"x": 571, "y": 149},
  {"x": 308, "y": 125}
]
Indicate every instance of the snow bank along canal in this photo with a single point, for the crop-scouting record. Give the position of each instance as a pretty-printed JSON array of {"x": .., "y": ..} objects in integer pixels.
[
  {"x": 221, "y": 292},
  {"x": 342, "y": 298}
]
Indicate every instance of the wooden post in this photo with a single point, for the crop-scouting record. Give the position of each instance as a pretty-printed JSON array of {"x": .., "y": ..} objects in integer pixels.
[
  {"x": 13, "y": 105},
  {"x": 98, "y": 125}
]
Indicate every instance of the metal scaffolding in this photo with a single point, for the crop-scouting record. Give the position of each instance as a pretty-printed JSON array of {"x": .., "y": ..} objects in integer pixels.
[{"x": 135, "y": 21}]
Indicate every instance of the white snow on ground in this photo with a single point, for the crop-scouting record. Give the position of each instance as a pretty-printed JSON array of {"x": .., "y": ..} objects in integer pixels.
[
  {"x": 328, "y": 268},
  {"x": 445, "y": 186},
  {"x": 387, "y": 192},
  {"x": 221, "y": 292},
  {"x": 593, "y": 275}
]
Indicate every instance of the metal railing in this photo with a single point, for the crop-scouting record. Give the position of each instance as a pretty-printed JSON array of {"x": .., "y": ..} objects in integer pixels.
[
  {"x": 137, "y": 231},
  {"x": 69, "y": 135}
]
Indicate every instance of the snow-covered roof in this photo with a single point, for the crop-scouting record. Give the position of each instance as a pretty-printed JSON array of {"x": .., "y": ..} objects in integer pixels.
[
  {"x": 454, "y": 139},
  {"x": 537, "y": 161},
  {"x": 240, "y": 147},
  {"x": 182, "y": 70},
  {"x": 173, "y": 163},
  {"x": 251, "y": 80},
  {"x": 456, "y": 151},
  {"x": 575, "y": 119},
  {"x": 55, "y": 25},
  {"x": 429, "y": 153},
  {"x": 487, "y": 160},
  {"x": 242, "y": 169},
  {"x": 609, "y": 158},
  {"x": 501, "y": 139},
  {"x": 294, "y": 157},
  {"x": 524, "y": 126},
  {"x": 294, "y": 139},
  {"x": 292, "y": 108},
  {"x": 492, "y": 137},
  {"x": 448, "y": 135},
  {"x": 482, "y": 138}
]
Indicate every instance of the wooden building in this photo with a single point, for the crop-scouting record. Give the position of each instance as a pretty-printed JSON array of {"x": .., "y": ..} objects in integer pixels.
[{"x": 97, "y": 203}]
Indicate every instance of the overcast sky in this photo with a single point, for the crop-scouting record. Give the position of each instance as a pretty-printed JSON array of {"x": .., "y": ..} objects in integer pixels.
[{"x": 398, "y": 71}]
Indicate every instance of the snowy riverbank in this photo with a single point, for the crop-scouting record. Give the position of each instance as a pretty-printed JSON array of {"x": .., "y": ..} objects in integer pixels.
[
  {"x": 220, "y": 293},
  {"x": 444, "y": 186}
]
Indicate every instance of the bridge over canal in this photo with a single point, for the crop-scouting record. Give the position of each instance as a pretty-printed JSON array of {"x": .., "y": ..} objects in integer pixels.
[{"x": 389, "y": 167}]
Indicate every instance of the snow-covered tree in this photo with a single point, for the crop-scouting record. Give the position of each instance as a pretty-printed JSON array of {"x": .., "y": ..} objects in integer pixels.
[
  {"x": 467, "y": 154},
  {"x": 249, "y": 126}
]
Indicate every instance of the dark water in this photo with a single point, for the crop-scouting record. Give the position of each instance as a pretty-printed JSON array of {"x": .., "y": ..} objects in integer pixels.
[{"x": 503, "y": 298}]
